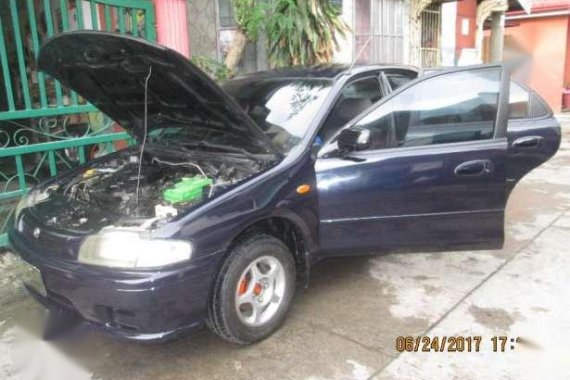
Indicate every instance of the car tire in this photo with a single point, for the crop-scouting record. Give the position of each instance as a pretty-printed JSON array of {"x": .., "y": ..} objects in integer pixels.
[{"x": 253, "y": 290}]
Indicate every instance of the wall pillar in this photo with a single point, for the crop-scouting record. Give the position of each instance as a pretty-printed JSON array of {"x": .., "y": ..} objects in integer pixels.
[
  {"x": 497, "y": 36},
  {"x": 485, "y": 9},
  {"x": 172, "y": 25}
]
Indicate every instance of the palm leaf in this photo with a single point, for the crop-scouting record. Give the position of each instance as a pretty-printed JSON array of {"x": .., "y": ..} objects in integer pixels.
[{"x": 303, "y": 32}]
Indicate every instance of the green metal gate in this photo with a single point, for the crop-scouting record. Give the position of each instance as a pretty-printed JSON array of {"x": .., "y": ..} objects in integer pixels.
[{"x": 44, "y": 127}]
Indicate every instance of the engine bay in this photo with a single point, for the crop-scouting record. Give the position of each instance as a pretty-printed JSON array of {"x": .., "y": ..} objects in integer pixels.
[{"x": 121, "y": 192}]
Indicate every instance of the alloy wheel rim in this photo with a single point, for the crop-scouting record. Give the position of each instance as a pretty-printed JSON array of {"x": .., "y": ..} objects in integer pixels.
[{"x": 260, "y": 291}]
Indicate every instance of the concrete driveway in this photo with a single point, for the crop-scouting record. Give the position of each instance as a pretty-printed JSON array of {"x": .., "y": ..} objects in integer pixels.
[{"x": 346, "y": 324}]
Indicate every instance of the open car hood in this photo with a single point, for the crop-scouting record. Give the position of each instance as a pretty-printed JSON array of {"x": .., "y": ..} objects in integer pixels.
[{"x": 109, "y": 70}]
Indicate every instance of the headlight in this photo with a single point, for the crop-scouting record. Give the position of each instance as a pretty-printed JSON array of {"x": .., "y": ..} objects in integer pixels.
[
  {"x": 128, "y": 249},
  {"x": 31, "y": 199}
]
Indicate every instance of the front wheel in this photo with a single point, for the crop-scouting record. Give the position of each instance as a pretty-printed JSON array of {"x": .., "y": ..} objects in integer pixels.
[{"x": 253, "y": 290}]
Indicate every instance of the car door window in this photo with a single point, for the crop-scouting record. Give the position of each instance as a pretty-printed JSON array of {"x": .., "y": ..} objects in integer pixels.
[
  {"x": 448, "y": 108},
  {"x": 518, "y": 102},
  {"x": 354, "y": 99}
]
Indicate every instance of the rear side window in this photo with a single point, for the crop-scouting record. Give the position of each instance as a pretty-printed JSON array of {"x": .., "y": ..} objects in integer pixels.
[
  {"x": 453, "y": 107},
  {"x": 525, "y": 104},
  {"x": 538, "y": 106},
  {"x": 519, "y": 100},
  {"x": 399, "y": 79}
]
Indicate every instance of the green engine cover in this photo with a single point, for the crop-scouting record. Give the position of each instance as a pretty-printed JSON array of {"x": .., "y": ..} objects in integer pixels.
[{"x": 187, "y": 190}]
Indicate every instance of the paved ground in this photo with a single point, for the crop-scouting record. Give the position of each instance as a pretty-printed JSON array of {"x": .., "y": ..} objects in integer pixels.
[{"x": 346, "y": 324}]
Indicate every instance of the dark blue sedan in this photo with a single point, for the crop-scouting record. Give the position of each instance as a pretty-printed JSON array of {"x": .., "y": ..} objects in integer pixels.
[{"x": 232, "y": 194}]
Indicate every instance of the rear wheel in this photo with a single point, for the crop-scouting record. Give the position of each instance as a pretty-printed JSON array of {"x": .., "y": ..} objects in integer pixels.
[{"x": 253, "y": 290}]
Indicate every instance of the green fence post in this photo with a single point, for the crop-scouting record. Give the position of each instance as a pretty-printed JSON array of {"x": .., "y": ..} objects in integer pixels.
[
  {"x": 21, "y": 172},
  {"x": 64, "y": 14},
  {"x": 63, "y": 5},
  {"x": 52, "y": 164},
  {"x": 108, "y": 22},
  {"x": 94, "y": 20},
  {"x": 6, "y": 69},
  {"x": 121, "y": 16},
  {"x": 36, "y": 47},
  {"x": 20, "y": 54},
  {"x": 79, "y": 14},
  {"x": 134, "y": 22},
  {"x": 150, "y": 23},
  {"x": 49, "y": 26}
]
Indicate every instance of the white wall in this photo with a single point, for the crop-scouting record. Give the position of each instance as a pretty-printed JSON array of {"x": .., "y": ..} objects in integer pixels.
[
  {"x": 406, "y": 42},
  {"x": 344, "y": 54},
  {"x": 448, "y": 21}
]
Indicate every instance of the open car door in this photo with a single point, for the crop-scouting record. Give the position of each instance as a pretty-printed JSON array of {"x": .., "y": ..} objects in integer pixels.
[{"x": 431, "y": 174}]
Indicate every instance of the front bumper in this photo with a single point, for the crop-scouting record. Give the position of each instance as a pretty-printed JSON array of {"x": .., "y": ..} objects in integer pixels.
[{"x": 146, "y": 306}]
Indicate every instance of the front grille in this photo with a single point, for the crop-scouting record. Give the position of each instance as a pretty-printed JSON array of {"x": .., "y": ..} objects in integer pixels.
[{"x": 45, "y": 240}]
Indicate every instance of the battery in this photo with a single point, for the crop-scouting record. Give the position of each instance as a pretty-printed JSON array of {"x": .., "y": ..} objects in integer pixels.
[{"x": 189, "y": 189}]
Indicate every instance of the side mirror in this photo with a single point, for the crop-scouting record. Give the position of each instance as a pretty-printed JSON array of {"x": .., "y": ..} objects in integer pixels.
[{"x": 354, "y": 139}]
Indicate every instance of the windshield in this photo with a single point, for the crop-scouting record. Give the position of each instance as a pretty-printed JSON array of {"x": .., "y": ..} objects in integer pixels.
[{"x": 283, "y": 107}]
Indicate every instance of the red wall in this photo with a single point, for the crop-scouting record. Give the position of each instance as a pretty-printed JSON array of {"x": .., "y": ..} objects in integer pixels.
[
  {"x": 546, "y": 39},
  {"x": 466, "y": 9},
  {"x": 172, "y": 25},
  {"x": 567, "y": 75}
]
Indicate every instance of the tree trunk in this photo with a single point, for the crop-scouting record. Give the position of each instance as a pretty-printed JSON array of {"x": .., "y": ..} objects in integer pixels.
[{"x": 236, "y": 49}]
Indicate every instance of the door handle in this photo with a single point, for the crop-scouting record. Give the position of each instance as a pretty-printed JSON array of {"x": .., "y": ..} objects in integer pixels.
[
  {"x": 474, "y": 168},
  {"x": 528, "y": 142}
]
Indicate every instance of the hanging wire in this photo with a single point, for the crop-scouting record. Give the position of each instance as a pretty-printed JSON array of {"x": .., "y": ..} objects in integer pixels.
[{"x": 145, "y": 127}]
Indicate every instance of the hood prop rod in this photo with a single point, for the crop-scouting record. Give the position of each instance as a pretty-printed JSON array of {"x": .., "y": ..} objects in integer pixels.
[{"x": 143, "y": 142}]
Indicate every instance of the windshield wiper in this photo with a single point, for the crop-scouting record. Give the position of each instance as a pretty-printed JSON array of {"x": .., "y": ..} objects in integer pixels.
[{"x": 187, "y": 146}]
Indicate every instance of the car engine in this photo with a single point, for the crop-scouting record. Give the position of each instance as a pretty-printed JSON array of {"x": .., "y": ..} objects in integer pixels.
[{"x": 106, "y": 193}]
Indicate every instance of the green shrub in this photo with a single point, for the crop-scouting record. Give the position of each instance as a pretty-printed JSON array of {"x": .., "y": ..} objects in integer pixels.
[{"x": 216, "y": 70}]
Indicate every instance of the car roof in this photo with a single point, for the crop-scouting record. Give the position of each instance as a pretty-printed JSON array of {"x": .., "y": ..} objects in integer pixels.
[{"x": 331, "y": 71}]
